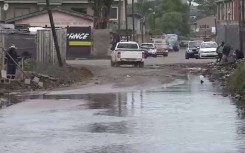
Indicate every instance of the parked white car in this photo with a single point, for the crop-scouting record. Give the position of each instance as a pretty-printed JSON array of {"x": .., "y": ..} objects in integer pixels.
[
  {"x": 149, "y": 48},
  {"x": 208, "y": 50},
  {"x": 128, "y": 53}
]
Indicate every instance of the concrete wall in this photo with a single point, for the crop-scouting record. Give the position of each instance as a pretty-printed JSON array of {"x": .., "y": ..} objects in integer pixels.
[{"x": 101, "y": 43}]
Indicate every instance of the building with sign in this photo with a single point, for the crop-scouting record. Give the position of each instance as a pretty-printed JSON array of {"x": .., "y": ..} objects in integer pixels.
[
  {"x": 18, "y": 8},
  {"x": 62, "y": 19},
  {"x": 203, "y": 27}
]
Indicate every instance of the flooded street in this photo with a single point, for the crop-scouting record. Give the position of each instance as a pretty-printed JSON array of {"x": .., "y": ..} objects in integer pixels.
[{"x": 183, "y": 117}]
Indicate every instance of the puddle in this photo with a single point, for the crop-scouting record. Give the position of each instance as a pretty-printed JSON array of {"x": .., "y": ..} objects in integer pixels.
[{"x": 181, "y": 117}]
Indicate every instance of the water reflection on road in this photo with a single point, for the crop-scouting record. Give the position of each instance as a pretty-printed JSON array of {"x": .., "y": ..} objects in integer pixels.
[{"x": 185, "y": 118}]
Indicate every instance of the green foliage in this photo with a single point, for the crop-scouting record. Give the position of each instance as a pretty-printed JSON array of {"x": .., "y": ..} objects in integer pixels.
[
  {"x": 166, "y": 16},
  {"x": 207, "y": 7},
  {"x": 237, "y": 80},
  {"x": 29, "y": 64}
]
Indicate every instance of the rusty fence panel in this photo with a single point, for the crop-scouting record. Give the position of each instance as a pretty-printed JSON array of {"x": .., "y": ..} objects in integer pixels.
[{"x": 46, "y": 53}]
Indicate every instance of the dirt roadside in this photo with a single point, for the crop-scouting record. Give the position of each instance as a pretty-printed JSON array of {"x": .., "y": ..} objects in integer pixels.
[
  {"x": 94, "y": 73},
  {"x": 51, "y": 76},
  {"x": 141, "y": 78}
]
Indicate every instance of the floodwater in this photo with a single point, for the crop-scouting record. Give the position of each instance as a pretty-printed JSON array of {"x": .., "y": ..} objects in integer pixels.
[{"x": 184, "y": 118}]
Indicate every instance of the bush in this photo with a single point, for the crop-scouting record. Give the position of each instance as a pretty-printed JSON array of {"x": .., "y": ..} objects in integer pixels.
[
  {"x": 29, "y": 64},
  {"x": 237, "y": 80}
]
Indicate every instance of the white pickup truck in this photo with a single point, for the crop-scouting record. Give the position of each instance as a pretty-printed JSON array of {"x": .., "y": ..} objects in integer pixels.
[{"x": 128, "y": 53}]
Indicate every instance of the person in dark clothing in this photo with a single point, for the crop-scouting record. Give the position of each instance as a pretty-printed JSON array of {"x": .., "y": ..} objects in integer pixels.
[
  {"x": 226, "y": 52},
  {"x": 239, "y": 54},
  {"x": 11, "y": 59},
  {"x": 116, "y": 39},
  {"x": 220, "y": 51}
]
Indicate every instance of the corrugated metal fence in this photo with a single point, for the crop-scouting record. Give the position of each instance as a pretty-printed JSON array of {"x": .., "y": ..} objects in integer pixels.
[
  {"x": 229, "y": 34},
  {"x": 46, "y": 53}
]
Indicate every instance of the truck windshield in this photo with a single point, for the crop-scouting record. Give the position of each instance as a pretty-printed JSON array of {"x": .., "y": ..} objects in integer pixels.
[
  {"x": 209, "y": 45},
  {"x": 159, "y": 45},
  {"x": 127, "y": 45},
  {"x": 194, "y": 44}
]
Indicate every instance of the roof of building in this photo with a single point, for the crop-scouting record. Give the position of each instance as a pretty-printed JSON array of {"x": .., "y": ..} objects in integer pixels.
[
  {"x": 58, "y": 9},
  {"x": 44, "y": 1}
]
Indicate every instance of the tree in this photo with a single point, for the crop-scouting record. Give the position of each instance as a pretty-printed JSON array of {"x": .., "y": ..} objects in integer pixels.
[
  {"x": 207, "y": 7},
  {"x": 172, "y": 17},
  {"x": 101, "y": 10}
]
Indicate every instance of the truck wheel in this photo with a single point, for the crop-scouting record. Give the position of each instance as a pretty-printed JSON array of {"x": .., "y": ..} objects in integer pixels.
[
  {"x": 112, "y": 64},
  {"x": 117, "y": 64},
  {"x": 141, "y": 65}
]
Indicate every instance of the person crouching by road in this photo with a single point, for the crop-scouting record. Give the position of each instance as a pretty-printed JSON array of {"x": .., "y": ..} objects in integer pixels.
[
  {"x": 219, "y": 51},
  {"x": 12, "y": 60}
]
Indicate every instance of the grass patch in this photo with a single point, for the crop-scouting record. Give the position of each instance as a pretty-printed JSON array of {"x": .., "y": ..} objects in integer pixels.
[
  {"x": 237, "y": 80},
  {"x": 28, "y": 64}
]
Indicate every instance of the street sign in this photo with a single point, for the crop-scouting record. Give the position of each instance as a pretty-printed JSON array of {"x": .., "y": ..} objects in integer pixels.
[{"x": 79, "y": 42}]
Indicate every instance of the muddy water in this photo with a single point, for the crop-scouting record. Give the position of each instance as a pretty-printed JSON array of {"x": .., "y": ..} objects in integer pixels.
[{"x": 184, "y": 118}]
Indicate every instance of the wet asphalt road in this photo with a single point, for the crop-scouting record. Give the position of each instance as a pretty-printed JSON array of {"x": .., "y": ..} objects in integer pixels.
[
  {"x": 182, "y": 117},
  {"x": 173, "y": 58}
]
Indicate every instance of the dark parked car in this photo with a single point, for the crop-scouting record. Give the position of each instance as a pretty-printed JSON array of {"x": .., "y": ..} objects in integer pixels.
[{"x": 192, "y": 49}]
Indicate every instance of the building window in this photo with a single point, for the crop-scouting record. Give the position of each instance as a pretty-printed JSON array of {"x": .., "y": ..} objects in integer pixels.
[
  {"x": 114, "y": 13},
  {"x": 21, "y": 11},
  {"x": 80, "y": 10}
]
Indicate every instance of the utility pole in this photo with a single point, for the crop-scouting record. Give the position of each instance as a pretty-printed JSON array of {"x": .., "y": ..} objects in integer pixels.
[
  {"x": 119, "y": 16},
  {"x": 189, "y": 2},
  {"x": 54, "y": 34},
  {"x": 126, "y": 17},
  {"x": 142, "y": 30},
  {"x": 133, "y": 20},
  {"x": 205, "y": 33},
  {"x": 240, "y": 28}
]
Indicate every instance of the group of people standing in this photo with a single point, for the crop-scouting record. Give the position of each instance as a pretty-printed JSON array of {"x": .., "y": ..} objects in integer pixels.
[{"x": 223, "y": 51}]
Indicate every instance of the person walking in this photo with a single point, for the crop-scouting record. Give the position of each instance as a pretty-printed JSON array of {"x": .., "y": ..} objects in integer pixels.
[
  {"x": 12, "y": 60},
  {"x": 219, "y": 51}
]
